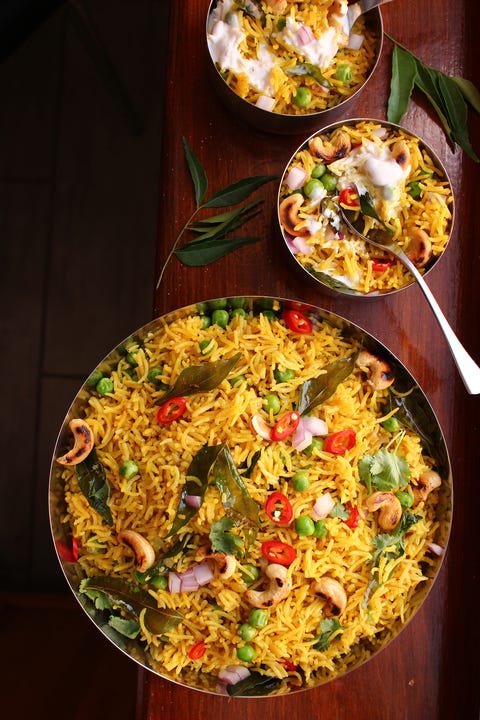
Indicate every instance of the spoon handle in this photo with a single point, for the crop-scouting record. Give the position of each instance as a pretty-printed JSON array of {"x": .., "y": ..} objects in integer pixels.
[{"x": 467, "y": 367}]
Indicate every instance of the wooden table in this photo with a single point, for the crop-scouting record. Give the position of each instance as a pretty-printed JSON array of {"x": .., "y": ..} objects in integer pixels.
[{"x": 431, "y": 671}]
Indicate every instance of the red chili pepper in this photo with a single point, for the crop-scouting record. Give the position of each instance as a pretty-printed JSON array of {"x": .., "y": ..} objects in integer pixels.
[
  {"x": 67, "y": 553},
  {"x": 289, "y": 666},
  {"x": 287, "y": 425},
  {"x": 381, "y": 264},
  {"x": 340, "y": 442},
  {"x": 354, "y": 516},
  {"x": 197, "y": 651},
  {"x": 278, "y": 508},
  {"x": 349, "y": 198},
  {"x": 278, "y": 552},
  {"x": 297, "y": 321},
  {"x": 171, "y": 410}
]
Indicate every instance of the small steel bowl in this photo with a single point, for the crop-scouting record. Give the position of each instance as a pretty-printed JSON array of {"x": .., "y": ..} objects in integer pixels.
[
  {"x": 292, "y": 123},
  {"x": 372, "y": 269},
  {"x": 421, "y": 417}
]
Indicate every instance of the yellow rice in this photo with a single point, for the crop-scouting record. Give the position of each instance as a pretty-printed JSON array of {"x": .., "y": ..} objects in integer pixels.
[
  {"x": 348, "y": 258},
  {"x": 125, "y": 427}
]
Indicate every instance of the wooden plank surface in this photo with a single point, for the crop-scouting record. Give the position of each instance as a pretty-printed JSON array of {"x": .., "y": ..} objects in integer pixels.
[{"x": 430, "y": 671}]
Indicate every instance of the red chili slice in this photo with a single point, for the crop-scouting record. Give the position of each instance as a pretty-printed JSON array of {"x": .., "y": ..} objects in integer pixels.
[
  {"x": 67, "y": 553},
  {"x": 278, "y": 552},
  {"x": 297, "y": 321},
  {"x": 197, "y": 651},
  {"x": 287, "y": 425},
  {"x": 278, "y": 508},
  {"x": 349, "y": 198},
  {"x": 341, "y": 441},
  {"x": 354, "y": 516},
  {"x": 381, "y": 264},
  {"x": 289, "y": 666},
  {"x": 171, "y": 410}
]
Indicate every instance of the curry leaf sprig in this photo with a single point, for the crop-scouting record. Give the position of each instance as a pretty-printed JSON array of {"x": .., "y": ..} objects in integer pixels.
[
  {"x": 213, "y": 239},
  {"x": 449, "y": 95}
]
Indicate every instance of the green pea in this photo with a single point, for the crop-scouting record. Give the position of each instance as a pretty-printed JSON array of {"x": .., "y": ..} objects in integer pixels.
[
  {"x": 239, "y": 312},
  {"x": 258, "y": 618},
  {"x": 247, "y": 632},
  {"x": 237, "y": 302},
  {"x": 104, "y": 386},
  {"x": 344, "y": 73},
  {"x": 130, "y": 358},
  {"x": 300, "y": 481},
  {"x": 128, "y": 469},
  {"x": 206, "y": 321},
  {"x": 329, "y": 182},
  {"x": 283, "y": 375},
  {"x": 154, "y": 374},
  {"x": 206, "y": 346},
  {"x": 238, "y": 380},
  {"x": 220, "y": 318},
  {"x": 391, "y": 424},
  {"x": 316, "y": 444},
  {"x": 159, "y": 582},
  {"x": 303, "y": 97},
  {"x": 250, "y": 573},
  {"x": 219, "y": 304},
  {"x": 304, "y": 526},
  {"x": 281, "y": 22},
  {"x": 272, "y": 403},
  {"x": 414, "y": 190},
  {"x": 405, "y": 498},
  {"x": 246, "y": 653},
  {"x": 202, "y": 307},
  {"x": 320, "y": 529},
  {"x": 312, "y": 187},
  {"x": 94, "y": 378},
  {"x": 318, "y": 170}
]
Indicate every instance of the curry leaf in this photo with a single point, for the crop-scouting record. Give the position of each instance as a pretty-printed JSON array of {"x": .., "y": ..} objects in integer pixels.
[
  {"x": 368, "y": 208},
  {"x": 224, "y": 222},
  {"x": 330, "y": 281},
  {"x": 197, "y": 172},
  {"x": 457, "y": 113},
  {"x": 469, "y": 91},
  {"x": 317, "y": 390},
  {"x": 313, "y": 71},
  {"x": 237, "y": 192},
  {"x": 94, "y": 484},
  {"x": 404, "y": 70},
  {"x": 197, "y": 254},
  {"x": 254, "y": 685},
  {"x": 201, "y": 378},
  {"x": 133, "y": 599}
]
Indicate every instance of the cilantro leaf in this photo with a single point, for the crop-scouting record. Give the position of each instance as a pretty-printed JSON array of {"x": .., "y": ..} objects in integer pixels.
[
  {"x": 339, "y": 511},
  {"x": 222, "y": 539},
  {"x": 384, "y": 470},
  {"x": 330, "y": 628},
  {"x": 395, "y": 541}
]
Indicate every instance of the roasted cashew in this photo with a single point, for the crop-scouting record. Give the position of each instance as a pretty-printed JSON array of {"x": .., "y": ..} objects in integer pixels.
[
  {"x": 333, "y": 593},
  {"x": 419, "y": 248},
  {"x": 288, "y": 212},
  {"x": 401, "y": 153},
  {"x": 83, "y": 437},
  {"x": 278, "y": 6},
  {"x": 428, "y": 481},
  {"x": 332, "y": 150},
  {"x": 225, "y": 563},
  {"x": 278, "y": 589},
  {"x": 388, "y": 505},
  {"x": 381, "y": 375},
  {"x": 141, "y": 548}
]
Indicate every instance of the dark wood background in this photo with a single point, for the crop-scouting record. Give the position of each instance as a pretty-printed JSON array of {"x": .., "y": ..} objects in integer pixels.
[{"x": 431, "y": 670}]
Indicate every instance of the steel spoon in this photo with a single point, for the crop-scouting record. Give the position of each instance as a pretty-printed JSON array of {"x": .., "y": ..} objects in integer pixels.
[
  {"x": 362, "y": 6},
  {"x": 467, "y": 367}
]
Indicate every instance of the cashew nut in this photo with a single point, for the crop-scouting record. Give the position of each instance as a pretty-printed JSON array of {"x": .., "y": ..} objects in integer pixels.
[
  {"x": 419, "y": 248},
  {"x": 83, "y": 444},
  {"x": 428, "y": 481},
  {"x": 333, "y": 593},
  {"x": 388, "y": 505},
  {"x": 141, "y": 548},
  {"x": 278, "y": 589},
  {"x": 332, "y": 150},
  {"x": 401, "y": 153},
  {"x": 381, "y": 375},
  {"x": 288, "y": 212},
  {"x": 226, "y": 564}
]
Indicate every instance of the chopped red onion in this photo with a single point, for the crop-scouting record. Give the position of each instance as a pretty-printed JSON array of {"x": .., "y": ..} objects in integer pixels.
[
  {"x": 355, "y": 42},
  {"x": 174, "y": 582},
  {"x": 301, "y": 438},
  {"x": 315, "y": 425},
  {"x": 231, "y": 674},
  {"x": 301, "y": 245},
  {"x": 323, "y": 506},
  {"x": 295, "y": 178},
  {"x": 304, "y": 35},
  {"x": 436, "y": 549},
  {"x": 203, "y": 573},
  {"x": 188, "y": 582},
  {"x": 261, "y": 427},
  {"x": 193, "y": 501},
  {"x": 265, "y": 102}
]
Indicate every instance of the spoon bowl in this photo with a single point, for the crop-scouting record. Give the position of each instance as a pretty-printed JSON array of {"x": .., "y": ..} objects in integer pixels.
[{"x": 468, "y": 369}]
